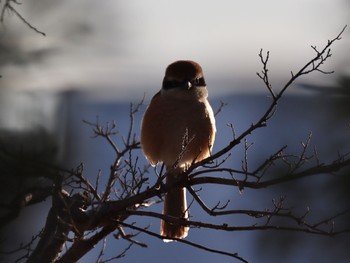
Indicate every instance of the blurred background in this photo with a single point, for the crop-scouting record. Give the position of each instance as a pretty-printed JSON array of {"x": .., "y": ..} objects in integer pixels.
[{"x": 97, "y": 57}]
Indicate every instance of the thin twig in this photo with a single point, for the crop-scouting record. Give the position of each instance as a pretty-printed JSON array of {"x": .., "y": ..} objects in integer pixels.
[
  {"x": 233, "y": 255},
  {"x": 10, "y": 8}
]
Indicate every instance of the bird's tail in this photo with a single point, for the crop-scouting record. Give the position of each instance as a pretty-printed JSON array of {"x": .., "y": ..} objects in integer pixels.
[{"x": 175, "y": 205}]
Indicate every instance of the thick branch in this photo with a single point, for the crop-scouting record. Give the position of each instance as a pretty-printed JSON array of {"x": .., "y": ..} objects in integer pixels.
[
  {"x": 83, "y": 246},
  {"x": 55, "y": 232}
]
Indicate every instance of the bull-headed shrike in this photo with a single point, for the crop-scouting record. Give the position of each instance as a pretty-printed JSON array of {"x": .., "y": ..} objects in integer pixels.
[{"x": 178, "y": 129}]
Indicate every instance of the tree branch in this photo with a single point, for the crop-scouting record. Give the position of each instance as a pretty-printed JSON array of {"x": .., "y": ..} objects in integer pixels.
[{"x": 10, "y": 8}]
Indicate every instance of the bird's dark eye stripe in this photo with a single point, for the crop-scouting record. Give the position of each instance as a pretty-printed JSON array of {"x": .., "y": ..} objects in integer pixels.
[
  {"x": 170, "y": 84},
  {"x": 199, "y": 81}
]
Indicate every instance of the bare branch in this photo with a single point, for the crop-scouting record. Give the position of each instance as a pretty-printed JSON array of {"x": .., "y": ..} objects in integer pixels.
[
  {"x": 295, "y": 223},
  {"x": 81, "y": 246},
  {"x": 10, "y": 8},
  {"x": 264, "y": 74},
  {"x": 315, "y": 170},
  {"x": 233, "y": 255},
  {"x": 261, "y": 122},
  {"x": 221, "y": 107},
  {"x": 121, "y": 255}
]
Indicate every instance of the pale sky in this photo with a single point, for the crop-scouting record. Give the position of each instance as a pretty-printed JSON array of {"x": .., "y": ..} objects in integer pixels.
[{"x": 121, "y": 48}]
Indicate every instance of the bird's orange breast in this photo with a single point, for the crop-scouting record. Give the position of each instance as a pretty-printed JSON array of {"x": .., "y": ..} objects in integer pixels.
[{"x": 174, "y": 130}]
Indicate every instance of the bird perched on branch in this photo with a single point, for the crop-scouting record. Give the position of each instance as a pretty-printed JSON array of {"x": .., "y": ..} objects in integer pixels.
[{"x": 178, "y": 129}]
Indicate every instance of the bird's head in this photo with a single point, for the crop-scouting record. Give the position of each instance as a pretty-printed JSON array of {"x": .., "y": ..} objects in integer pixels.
[{"x": 184, "y": 77}]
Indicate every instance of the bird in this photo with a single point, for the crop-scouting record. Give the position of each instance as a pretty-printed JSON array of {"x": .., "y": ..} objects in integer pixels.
[{"x": 178, "y": 129}]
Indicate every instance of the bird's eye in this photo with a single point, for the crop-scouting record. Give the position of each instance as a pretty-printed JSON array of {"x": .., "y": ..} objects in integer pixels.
[{"x": 199, "y": 81}]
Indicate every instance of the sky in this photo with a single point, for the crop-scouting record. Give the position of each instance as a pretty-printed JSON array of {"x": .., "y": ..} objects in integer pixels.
[{"x": 118, "y": 46}]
